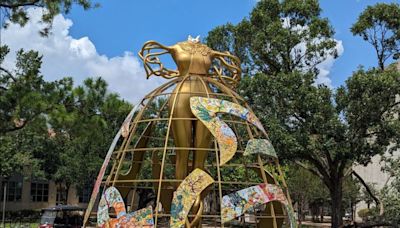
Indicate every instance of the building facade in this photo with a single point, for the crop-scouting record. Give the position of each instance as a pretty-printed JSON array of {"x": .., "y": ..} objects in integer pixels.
[{"x": 27, "y": 194}]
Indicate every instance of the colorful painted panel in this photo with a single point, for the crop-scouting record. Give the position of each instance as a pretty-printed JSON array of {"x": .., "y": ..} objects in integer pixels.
[
  {"x": 260, "y": 146},
  {"x": 139, "y": 218},
  {"x": 236, "y": 204},
  {"x": 110, "y": 198},
  {"x": 186, "y": 194},
  {"x": 105, "y": 164},
  {"x": 205, "y": 109}
]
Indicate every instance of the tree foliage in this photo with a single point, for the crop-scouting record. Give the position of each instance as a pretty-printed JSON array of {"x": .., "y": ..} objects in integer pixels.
[
  {"x": 16, "y": 10},
  {"x": 380, "y": 26},
  {"x": 390, "y": 194},
  {"x": 321, "y": 129},
  {"x": 17, "y": 153},
  {"x": 278, "y": 36},
  {"x": 306, "y": 190},
  {"x": 83, "y": 130},
  {"x": 24, "y": 94},
  {"x": 25, "y": 99},
  {"x": 326, "y": 131},
  {"x": 54, "y": 130}
]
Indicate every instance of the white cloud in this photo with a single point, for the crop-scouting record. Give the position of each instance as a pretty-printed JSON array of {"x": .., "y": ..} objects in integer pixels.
[
  {"x": 325, "y": 66},
  {"x": 64, "y": 55}
]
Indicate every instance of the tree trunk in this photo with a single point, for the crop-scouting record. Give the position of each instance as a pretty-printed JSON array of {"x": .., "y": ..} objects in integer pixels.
[
  {"x": 322, "y": 213},
  {"x": 381, "y": 65},
  {"x": 300, "y": 212},
  {"x": 336, "y": 193},
  {"x": 68, "y": 186}
]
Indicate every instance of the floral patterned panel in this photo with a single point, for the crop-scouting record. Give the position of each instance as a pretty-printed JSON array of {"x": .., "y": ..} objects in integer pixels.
[
  {"x": 186, "y": 194},
  {"x": 110, "y": 198},
  {"x": 260, "y": 146},
  {"x": 205, "y": 109},
  {"x": 141, "y": 218},
  {"x": 237, "y": 203}
]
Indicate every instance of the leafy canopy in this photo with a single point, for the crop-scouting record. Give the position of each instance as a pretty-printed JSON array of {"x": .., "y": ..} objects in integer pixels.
[
  {"x": 278, "y": 36},
  {"x": 24, "y": 94},
  {"x": 380, "y": 26},
  {"x": 83, "y": 130},
  {"x": 16, "y": 10}
]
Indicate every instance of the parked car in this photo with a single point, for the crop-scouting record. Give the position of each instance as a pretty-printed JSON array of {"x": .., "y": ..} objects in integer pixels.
[
  {"x": 347, "y": 216},
  {"x": 62, "y": 216}
]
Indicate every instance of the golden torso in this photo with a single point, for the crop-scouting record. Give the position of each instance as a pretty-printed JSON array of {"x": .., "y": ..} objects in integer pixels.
[{"x": 192, "y": 58}]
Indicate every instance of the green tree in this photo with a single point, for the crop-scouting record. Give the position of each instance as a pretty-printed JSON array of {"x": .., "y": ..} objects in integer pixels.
[
  {"x": 52, "y": 130},
  {"x": 24, "y": 94},
  {"x": 305, "y": 189},
  {"x": 380, "y": 26},
  {"x": 390, "y": 194},
  {"x": 17, "y": 152},
  {"x": 25, "y": 98},
  {"x": 351, "y": 194},
  {"x": 83, "y": 130},
  {"x": 278, "y": 36},
  {"x": 16, "y": 10},
  {"x": 325, "y": 131}
]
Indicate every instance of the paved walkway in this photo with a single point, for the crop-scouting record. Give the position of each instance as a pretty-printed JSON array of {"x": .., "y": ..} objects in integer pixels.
[{"x": 314, "y": 224}]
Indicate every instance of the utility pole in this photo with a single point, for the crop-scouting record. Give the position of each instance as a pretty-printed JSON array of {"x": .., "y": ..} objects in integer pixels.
[{"x": 4, "y": 204}]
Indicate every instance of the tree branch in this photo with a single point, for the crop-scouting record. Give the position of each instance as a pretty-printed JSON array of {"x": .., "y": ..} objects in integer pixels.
[
  {"x": 8, "y": 73},
  {"x": 15, "y": 128},
  {"x": 377, "y": 201},
  {"x": 342, "y": 166},
  {"x": 315, "y": 172},
  {"x": 16, "y": 5},
  {"x": 32, "y": 118},
  {"x": 321, "y": 169}
]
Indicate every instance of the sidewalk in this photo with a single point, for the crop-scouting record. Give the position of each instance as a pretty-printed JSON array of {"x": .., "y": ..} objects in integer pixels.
[{"x": 314, "y": 224}]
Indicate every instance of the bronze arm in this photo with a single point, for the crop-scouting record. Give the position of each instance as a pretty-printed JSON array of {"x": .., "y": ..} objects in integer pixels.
[
  {"x": 230, "y": 63},
  {"x": 151, "y": 60}
]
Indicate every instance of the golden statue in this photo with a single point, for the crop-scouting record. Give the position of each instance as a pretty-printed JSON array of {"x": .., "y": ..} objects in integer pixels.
[
  {"x": 182, "y": 131},
  {"x": 193, "y": 61}
]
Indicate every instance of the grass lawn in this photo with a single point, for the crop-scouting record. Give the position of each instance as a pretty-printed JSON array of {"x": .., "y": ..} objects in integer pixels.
[{"x": 21, "y": 225}]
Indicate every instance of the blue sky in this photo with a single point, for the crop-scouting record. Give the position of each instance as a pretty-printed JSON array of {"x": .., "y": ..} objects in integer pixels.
[{"x": 125, "y": 25}]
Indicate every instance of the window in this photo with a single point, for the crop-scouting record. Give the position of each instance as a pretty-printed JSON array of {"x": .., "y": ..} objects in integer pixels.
[
  {"x": 39, "y": 192},
  {"x": 84, "y": 195},
  {"x": 14, "y": 191},
  {"x": 62, "y": 194}
]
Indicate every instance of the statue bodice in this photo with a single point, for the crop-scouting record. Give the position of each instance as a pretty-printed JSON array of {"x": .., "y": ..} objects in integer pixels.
[{"x": 192, "y": 58}]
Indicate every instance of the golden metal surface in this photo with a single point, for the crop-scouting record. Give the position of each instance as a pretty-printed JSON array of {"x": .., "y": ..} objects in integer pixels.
[
  {"x": 191, "y": 58},
  {"x": 166, "y": 141}
]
